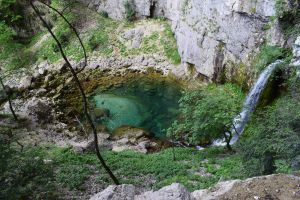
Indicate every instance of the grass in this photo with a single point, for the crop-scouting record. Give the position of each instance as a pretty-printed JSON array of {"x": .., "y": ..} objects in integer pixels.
[
  {"x": 72, "y": 170},
  {"x": 104, "y": 39},
  {"x": 170, "y": 46}
]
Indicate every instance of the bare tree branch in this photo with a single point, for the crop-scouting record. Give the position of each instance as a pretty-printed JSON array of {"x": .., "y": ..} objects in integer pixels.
[
  {"x": 74, "y": 30},
  {"x": 84, "y": 99},
  {"x": 9, "y": 100}
]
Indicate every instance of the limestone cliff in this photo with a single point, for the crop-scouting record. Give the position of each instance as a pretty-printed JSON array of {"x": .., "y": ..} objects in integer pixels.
[{"x": 211, "y": 35}]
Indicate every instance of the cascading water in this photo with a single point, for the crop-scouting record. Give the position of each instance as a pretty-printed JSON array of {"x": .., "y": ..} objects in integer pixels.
[{"x": 242, "y": 119}]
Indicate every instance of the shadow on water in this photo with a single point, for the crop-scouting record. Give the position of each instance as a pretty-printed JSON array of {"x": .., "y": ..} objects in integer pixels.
[{"x": 144, "y": 103}]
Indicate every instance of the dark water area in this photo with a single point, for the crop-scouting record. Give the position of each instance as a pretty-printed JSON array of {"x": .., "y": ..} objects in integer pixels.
[{"x": 144, "y": 103}]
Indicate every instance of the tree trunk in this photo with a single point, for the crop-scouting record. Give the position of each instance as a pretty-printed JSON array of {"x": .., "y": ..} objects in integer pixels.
[{"x": 9, "y": 101}]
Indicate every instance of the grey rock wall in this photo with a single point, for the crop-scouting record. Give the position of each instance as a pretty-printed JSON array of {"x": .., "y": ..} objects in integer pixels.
[{"x": 210, "y": 34}]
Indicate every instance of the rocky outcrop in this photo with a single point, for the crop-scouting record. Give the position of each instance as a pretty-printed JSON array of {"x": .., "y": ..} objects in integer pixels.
[
  {"x": 281, "y": 187},
  {"x": 211, "y": 36}
]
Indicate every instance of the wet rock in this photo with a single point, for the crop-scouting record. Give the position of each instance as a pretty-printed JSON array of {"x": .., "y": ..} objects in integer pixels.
[
  {"x": 101, "y": 113},
  {"x": 132, "y": 133}
]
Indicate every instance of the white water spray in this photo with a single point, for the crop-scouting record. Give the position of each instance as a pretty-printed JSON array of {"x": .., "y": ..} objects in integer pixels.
[{"x": 242, "y": 119}]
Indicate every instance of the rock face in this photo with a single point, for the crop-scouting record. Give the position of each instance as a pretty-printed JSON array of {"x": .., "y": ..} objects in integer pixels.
[
  {"x": 280, "y": 186},
  {"x": 114, "y": 192},
  {"x": 210, "y": 35},
  {"x": 174, "y": 192}
]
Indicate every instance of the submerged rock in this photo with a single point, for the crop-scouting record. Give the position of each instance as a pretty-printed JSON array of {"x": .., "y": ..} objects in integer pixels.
[{"x": 136, "y": 139}]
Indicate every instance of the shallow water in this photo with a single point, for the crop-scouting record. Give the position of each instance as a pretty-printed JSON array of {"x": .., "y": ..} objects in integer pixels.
[{"x": 145, "y": 103}]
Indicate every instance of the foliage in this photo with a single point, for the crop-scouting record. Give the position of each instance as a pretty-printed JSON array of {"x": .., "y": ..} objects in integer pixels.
[
  {"x": 71, "y": 170},
  {"x": 207, "y": 113},
  {"x": 104, "y": 14},
  {"x": 282, "y": 8},
  {"x": 7, "y": 13},
  {"x": 269, "y": 54},
  {"x": 170, "y": 46},
  {"x": 272, "y": 139},
  {"x": 129, "y": 10},
  {"x": 12, "y": 54},
  {"x": 24, "y": 175}
]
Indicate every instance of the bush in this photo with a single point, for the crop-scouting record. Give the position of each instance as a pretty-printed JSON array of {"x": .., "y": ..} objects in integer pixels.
[
  {"x": 273, "y": 138},
  {"x": 269, "y": 54},
  {"x": 24, "y": 175},
  {"x": 129, "y": 10},
  {"x": 104, "y": 14},
  {"x": 206, "y": 114}
]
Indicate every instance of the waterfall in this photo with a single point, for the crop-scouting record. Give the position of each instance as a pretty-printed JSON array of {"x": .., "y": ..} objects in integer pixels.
[{"x": 242, "y": 119}]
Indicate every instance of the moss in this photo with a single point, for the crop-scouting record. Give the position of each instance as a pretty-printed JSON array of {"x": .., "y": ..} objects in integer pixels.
[
  {"x": 170, "y": 45},
  {"x": 97, "y": 81}
]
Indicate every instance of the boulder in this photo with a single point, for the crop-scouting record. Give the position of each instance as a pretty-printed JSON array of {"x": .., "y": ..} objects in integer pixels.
[
  {"x": 88, "y": 145},
  {"x": 134, "y": 37},
  {"x": 38, "y": 110},
  {"x": 277, "y": 186},
  {"x": 25, "y": 83},
  {"x": 116, "y": 192},
  {"x": 173, "y": 192},
  {"x": 132, "y": 133}
]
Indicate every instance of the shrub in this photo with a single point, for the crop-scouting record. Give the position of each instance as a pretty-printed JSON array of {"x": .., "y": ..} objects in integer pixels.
[
  {"x": 24, "y": 175},
  {"x": 104, "y": 14},
  {"x": 269, "y": 54},
  {"x": 206, "y": 114},
  {"x": 273, "y": 138},
  {"x": 129, "y": 10}
]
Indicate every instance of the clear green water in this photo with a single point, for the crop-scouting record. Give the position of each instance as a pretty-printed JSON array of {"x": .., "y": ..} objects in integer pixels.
[{"x": 143, "y": 103}]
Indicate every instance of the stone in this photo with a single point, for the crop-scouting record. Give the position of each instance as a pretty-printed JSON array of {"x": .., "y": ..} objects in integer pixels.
[
  {"x": 101, "y": 113},
  {"x": 116, "y": 192},
  {"x": 130, "y": 133},
  {"x": 83, "y": 146},
  {"x": 38, "y": 110},
  {"x": 277, "y": 186},
  {"x": 48, "y": 78},
  {"x": 134, "y": 37},
  {"x": 42, "y": 71},
  {"x": 25, "y": 83},
  {"x": 173, "y": 192}
]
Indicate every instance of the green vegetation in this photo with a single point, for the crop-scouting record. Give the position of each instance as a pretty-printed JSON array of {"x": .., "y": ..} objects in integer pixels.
[
  {"x": 170, "y": 46},
  {"x": 207, "y": 113},
  {"x": 40, "y": 169},
  {"x": 129, "y": 10},
  {"x": 269, "y": 54},
  {"x": 21, "y": 173},
  {"x": 288, "y": 17},
  {"x": 271, "y": 142},
  {"x": 12, "y": 55}
]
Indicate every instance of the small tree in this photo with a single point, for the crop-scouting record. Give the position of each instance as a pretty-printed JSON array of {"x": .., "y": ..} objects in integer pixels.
[{"x": 207, "y": 114}]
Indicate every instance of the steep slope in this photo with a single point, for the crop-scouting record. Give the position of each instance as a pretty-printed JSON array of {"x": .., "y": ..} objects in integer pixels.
[{"x": 211, "y": 36}]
